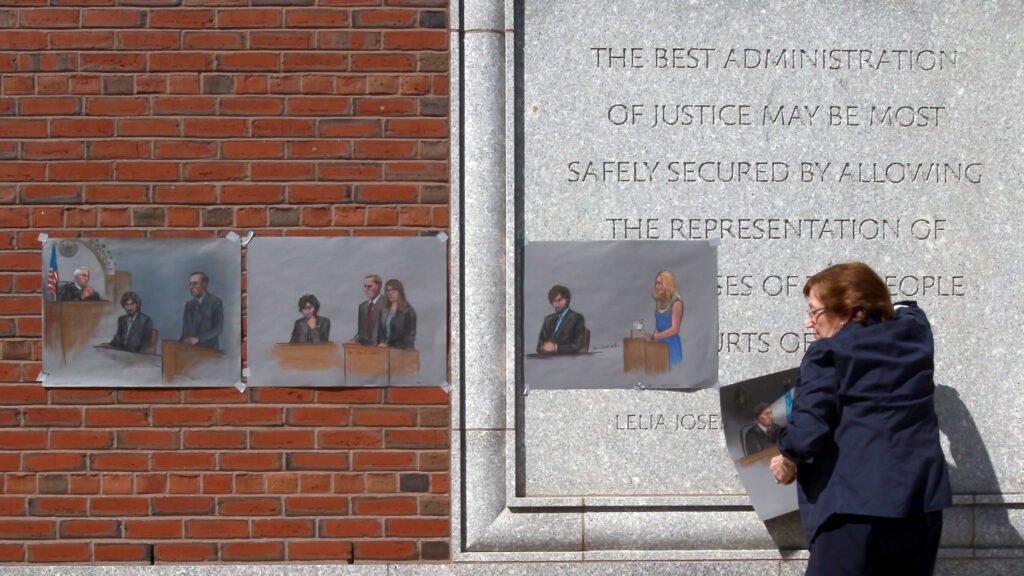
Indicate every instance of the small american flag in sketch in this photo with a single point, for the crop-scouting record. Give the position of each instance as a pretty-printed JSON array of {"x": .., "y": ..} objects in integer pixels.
[{"x": 52, "y": 276}]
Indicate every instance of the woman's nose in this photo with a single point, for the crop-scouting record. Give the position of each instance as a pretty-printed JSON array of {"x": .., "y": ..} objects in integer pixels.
[{"x": 809, "y": 323}]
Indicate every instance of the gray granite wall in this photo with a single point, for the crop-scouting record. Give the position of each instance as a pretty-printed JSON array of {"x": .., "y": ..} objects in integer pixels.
[{"x": 796, "y": 135}]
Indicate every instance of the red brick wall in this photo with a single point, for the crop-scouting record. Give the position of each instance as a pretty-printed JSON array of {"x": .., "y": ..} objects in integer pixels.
[{"x": 157, "y": 118}]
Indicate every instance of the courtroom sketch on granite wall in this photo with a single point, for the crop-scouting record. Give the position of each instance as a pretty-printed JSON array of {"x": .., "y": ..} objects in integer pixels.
[
  {"x": 620, "y": 314},
  {"x": 122, "y": 312},
  {"x": 347, "y": 311},
  {"x": 753, "y": 413}
]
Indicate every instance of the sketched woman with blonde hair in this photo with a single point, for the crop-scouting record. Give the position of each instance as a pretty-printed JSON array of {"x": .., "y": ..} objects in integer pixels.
[{"x": 668, "y": 315}]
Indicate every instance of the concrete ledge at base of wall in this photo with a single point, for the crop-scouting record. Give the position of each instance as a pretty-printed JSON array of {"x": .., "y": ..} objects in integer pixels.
[{"x": 947, "y": 566}]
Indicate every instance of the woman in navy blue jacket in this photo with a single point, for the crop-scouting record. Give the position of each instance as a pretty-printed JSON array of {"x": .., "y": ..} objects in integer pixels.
[{"x": 863, "y": 438}]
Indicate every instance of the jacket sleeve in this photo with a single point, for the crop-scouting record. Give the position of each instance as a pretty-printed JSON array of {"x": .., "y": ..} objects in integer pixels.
[{"x": 815, "y": 407}]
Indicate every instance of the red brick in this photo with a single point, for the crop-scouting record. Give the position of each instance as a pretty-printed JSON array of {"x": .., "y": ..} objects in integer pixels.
[
  {"x": 90, "y": 529},
  {"x": 113, "y": 62},
  {"x": 249, "y": 507},
  {"x": 116, "y": 106},
  {"x": 316, "y": 416},
  {"x": 180, "y": 61},
  {"x": 113, "y": 18},
  {"x": 397, "y": 506},
  {"x": 349, "y": 171},
  {"x": 281, "y": 439},
  {"x": 27, "y": 529},
  {"x": 350, "y": 395},
  {"x": 24, "y": 128},
  {"x": 102, "y": 194},
  {"x": 250, "y": 461},
  {"x": 52, "y": 553},
  {"x": 120, "y": 150},
  {"x": 119, "y": 462},
  {"x": 116, "y": 417},
  {"x": 153, "y": 529},
  {"x": 385, "y": 550},
  {"x": 148, "y": 40},
  {"x": 324, "y": 18},
  {"x": 283, "y": 528},
  {"x": 320, "y": 106},
  {"x": 53, "y": 150},
  {"x": 318, "y": 193},
  {"x": 415, "y": 40},
  {"x": 183, "y": 461},
  {"x": 12, "y": 553},
  {"x": 249, "y": 62},
  {"x": 385, "y": 149},
  {"x": 214, "y": 40},
  {"x": 214, "y": 439},
  {"x": 58, "y": 505},
  {"x": 82, "y": 396},
  {"x": 149, "y": 439},
  {"x": 149, "y": 127},
  {"x": 251, "y": 149},
  {"x": 394, "y": 18},
  {"x": 320, "y": 460},
  {"x": 418, "y": 128},
  {"x": 121, "y": 552},
  {"x": 417, "y": 527},
  {"x": 351, "y": 528},
  {"x": 81, "y": 440},
  {"x": 385, "y": 106},
  {"x": 411, "y": 395},
  {"x": 283, "y": 128},
  {"x": 316, "y": 505},
  {"x": 183, "y": 505},
  {"x": 22, "y": 171},
  {"x": 22, "y": 439},
  {"x": 250, "y": 416},
  {"x": 148, "y": 171},
  {"x": 22, "y": 40},
  {"x": 176, "y": 18},
  {"x": 119, "y": 506},
  {"x": 350, "y": 438},
  {"x": 216, "y": 529},
  {"x": 319, "y": 550},
  {"x": 185, "y": 552},
  {"x": 184, "y": 149},
  {"x": 350, "y": 128},
  {"x": 252, "y": 551},
  {"x": 215, "y": 128},
  {"x": 282, "y": 41},
  {"x": 53, "y": 462},
  {"x": 416, "y": 439},
  {"x": 384, "y": 417},
  {"x": 383, "y": 62},
  {"x": 186, "y": 194},
  {"x": 384, "y": 461},
  {"x": 288, "y": 171},
  {"x": 49, "y": 18}
]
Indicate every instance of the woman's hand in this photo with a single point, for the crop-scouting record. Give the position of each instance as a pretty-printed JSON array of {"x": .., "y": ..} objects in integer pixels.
[{"x": 783, "y": 469}]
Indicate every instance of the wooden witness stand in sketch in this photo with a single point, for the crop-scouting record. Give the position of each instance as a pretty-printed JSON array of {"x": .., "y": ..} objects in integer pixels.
[
  {"x": 639, "y": 355},
  {"x": 380, "y": 362},
  {"x": 180, "y": 359}
]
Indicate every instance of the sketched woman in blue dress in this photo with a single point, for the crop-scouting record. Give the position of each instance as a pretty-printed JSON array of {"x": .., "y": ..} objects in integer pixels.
[{"x": 668, "y": 315}]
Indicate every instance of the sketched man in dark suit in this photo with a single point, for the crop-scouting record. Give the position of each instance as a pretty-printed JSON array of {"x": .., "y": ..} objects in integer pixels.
[
  {"x": 134, "y": 330},
  {"x": 203, "y": 320},
  {"x": 368, "y": 319},
  {"x": 563, "y": 331}
]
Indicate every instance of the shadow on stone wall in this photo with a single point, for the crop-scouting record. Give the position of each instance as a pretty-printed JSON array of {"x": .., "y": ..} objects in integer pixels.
[{"x": 971, "y": 472}]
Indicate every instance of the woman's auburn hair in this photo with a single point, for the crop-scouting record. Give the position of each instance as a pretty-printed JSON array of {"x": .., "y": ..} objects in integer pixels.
[{"x": 853, "y": 289}]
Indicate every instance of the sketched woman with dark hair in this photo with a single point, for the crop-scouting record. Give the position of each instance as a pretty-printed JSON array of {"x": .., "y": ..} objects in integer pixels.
[
  {"x": 398, "y": 323},
  {"x": 311, "y": 328}
]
